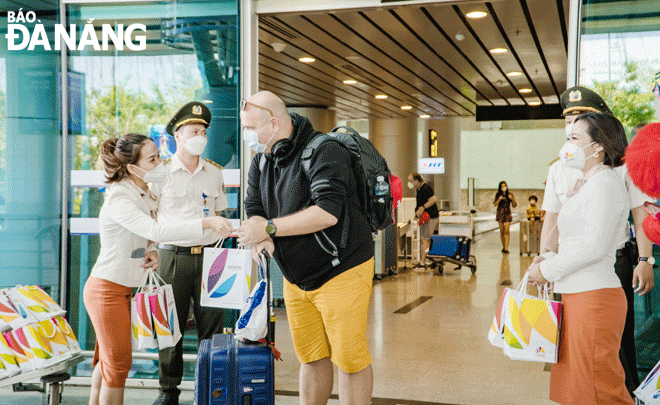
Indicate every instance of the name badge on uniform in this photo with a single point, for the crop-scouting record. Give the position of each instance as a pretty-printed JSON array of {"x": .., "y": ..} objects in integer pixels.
[{"x": 207, "y": 213}]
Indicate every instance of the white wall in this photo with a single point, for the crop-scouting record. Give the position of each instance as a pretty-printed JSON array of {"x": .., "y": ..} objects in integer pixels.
[{"x": 518, "y": 156}]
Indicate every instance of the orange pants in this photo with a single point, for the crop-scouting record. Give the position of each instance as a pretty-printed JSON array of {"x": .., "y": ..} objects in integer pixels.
[{"x": 109, "y": 307}]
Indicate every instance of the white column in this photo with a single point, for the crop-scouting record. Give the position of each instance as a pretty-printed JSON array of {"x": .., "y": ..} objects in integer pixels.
[{"x": 249, "y": 78}]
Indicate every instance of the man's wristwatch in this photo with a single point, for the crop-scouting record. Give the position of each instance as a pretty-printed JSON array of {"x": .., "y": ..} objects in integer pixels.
[
  {"x": 271, "y": 229},
  {"x": 650, "y": 260}
]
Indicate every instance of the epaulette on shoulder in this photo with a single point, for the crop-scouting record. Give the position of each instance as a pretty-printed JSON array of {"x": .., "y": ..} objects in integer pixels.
[
  {"x": 166, "y": 161},
  {"x": 214, "y": 164}
]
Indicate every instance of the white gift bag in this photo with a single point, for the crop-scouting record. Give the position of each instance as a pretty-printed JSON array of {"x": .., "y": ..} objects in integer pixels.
[
  {"x": 649, "y": 390},
  {"x": 253, "y": 323},
  {"x": 225, "y": 277},
  {"x": 163, "y": 313},
  {"x": 142, "y": 326}
]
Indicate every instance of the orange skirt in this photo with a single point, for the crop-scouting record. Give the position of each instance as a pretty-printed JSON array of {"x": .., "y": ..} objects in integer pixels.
[
  {"x": 109, "y": 307},
  {"x": 588, "y": 371}
]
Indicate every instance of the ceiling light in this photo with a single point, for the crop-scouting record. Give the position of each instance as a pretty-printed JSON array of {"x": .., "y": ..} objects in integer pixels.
[
  {"x": 459, "y": 37},
  {"x": 350, "y": 81},
  {"x": 278, "y": 46},
  {"x": 353, "y": 58},
  {"x": 476, "y": 14},
  {"x": 424, "y": 116},
  {"x": 406, "y": 107},
  {"x": 306, "y": 59},
  {"x": 207, "y": 101},
  {"x": 381, "y": 96},
  {"x": 525, "y": 91},
  {"x": 498, "y": 50},
  {"x": 534, "y": 103},
  {"x": 514, "y": 74}
]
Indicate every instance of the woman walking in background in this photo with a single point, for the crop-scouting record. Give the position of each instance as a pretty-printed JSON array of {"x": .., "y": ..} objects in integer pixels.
[{"x": 503, "y": 201}]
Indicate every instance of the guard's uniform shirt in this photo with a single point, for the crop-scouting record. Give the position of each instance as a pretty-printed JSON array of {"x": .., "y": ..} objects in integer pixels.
[{"x": 186, "y": 195}]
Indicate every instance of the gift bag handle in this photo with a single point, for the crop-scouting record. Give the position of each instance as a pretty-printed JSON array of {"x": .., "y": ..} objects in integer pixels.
[{"x": 220, "y": 242}]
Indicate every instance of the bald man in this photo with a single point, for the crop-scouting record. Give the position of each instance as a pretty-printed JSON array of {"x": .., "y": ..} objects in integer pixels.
[{"x": 298, "y": 217}]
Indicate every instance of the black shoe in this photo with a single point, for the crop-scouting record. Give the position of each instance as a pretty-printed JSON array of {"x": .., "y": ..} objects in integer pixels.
[{"x": 167, "y": 398}]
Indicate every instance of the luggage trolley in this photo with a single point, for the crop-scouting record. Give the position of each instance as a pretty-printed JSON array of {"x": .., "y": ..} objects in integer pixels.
[
  {"x": 453, "y": 242},
  {"x": 52, "y": 379}
]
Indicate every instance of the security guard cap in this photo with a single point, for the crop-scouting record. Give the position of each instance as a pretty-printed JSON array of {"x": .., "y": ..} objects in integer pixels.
[
  {"x": 578, "y": 100},
  {"x": 191, "y": 113}
]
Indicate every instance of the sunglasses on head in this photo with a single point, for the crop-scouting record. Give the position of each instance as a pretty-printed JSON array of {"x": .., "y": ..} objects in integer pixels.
[{"x": 244, "y": 103}]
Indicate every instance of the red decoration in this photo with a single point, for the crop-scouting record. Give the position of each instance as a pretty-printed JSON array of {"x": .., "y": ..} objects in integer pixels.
[{"x": 643, "y": 160}]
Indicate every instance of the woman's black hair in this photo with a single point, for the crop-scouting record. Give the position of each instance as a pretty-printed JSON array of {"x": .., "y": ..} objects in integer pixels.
[
  {"x": 607, "y": 131},
  {"x": 500, "y": 192}
]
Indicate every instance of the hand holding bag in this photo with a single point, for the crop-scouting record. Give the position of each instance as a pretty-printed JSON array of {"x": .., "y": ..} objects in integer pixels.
[{"x": 253, "y": 322}]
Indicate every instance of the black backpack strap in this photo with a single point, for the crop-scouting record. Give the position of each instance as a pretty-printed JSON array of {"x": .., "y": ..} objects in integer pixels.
[{"x": 306, "y": 161}]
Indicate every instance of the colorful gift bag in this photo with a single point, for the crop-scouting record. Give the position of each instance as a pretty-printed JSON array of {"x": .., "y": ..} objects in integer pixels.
[
  {"x": 58, "y": 342},
  {"x": 225, "y": 277},
  {"x": 496, "y": 331},
  {"x": 39, "y": 358},
  {"x": 40, "y": 303},
  {"x": 21, "y": 357},
  {"x": 163, "y": 313},
  {"x": 531, "y": 326},
  {"x": 67, "y": 331},
  {"x": 143, "y": 336},
  {"x": 7, "y": 359},
  {"x": 15, "y": 314},
  {"x": 649, "y": 390}
]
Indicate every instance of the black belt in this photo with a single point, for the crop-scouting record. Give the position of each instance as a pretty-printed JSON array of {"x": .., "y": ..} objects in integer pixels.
[{"x": 186, "y": 250}]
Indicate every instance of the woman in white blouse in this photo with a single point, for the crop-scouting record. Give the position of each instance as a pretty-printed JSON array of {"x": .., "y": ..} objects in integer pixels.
[
  {"x": 588, "y": 370},
  {"x": 128, "y": 231}
]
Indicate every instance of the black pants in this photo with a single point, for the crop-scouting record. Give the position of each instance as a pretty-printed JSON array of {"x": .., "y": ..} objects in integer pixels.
[
  {"x": 184, "y": 272},
  {"x": 624, "y": 267}
]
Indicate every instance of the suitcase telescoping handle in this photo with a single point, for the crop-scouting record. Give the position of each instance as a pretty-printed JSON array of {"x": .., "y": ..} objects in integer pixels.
[{"x": 270, "y": 319}]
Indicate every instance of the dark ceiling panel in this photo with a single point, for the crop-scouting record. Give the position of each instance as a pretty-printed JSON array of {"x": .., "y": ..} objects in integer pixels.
[{"x": 432, "y": 57}]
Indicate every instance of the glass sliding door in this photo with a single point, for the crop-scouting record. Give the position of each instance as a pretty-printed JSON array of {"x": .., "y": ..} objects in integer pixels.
[{"x": 191, "y": 54}]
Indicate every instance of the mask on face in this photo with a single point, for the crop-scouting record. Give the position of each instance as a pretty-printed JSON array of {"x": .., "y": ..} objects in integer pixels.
[
  {"x": 572, "y": 155},
  {"x": 569, "y": 129},
  {"x": 251, "y": 139},
  {"x": 410, "y": 185},
  {"x": 196, "y": 145},
  {"x": 156, "y": 175}
]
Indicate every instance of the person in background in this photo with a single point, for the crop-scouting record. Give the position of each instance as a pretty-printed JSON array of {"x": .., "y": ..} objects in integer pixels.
[
  {"x": 504, "y": 200},
  {"x": 533, "y": 213},
  {"x": 426, "y": 202},
  {"x": 193, "y": 189},
  {"x": 634, "y": 256},
  {"x": 127, "y": 227},
  {"x": 588, "y": 369}
]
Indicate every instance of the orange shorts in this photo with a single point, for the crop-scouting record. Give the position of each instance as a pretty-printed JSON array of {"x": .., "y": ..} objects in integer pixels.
[
  {"x": 109, "y": 307},
  {"x": 331, "y": 321}
]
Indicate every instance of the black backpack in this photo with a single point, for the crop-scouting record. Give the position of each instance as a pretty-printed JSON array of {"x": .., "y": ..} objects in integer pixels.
[{"x": 368, "y": 166}]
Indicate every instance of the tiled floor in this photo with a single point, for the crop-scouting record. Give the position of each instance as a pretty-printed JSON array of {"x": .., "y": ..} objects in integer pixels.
[{"x": 435, "y": 353}]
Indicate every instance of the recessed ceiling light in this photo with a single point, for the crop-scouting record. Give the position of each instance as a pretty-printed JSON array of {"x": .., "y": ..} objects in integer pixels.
[
  {"x": 514, "y": 74},
  {"x": 534, "y": 103},
  {"x": 381, "y": 96},
  {"x": 306, "y": 59},
  {"x": 525, "y": 90},
  {"x": 353, "y": 58},
  {"x": 207, "y": 101},
  {"x": 406, "y": 107},
  {"x": 498, "y": 50},
  {"x": 424, "y": 116},
  {"x": 476, "y": 14},
  {"x": 350, "y": 81}
]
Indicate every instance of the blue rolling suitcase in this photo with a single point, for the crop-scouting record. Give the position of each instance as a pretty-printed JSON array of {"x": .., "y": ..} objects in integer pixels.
[
  {"x": 454, "y": 249},
  {"x": 232, "y": 372}
]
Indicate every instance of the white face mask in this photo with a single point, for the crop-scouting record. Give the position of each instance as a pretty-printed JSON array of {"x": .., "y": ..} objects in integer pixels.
[
  {"x": 251, "y": 139},
  {"x": 196, "y": 145},
  {"x": 156, "y": 175},
  {"x": 410, "y": 185},
  {"x": 573, "y": 156}
]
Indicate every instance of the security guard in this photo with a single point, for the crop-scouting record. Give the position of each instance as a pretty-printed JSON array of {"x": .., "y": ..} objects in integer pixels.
[
  {"x": 634, "y": 260},
  {"x": 194, "y": 189}
]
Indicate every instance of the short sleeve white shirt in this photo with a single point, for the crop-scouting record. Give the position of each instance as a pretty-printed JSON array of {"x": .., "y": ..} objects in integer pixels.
[{"x": 184, "y": 196}]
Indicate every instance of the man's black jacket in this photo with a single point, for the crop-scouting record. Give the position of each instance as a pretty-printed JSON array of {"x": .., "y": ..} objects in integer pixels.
[{"x": 283, "y": 188}]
